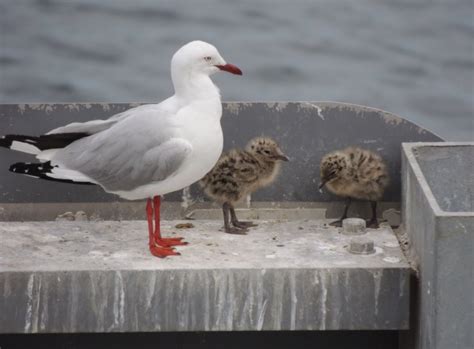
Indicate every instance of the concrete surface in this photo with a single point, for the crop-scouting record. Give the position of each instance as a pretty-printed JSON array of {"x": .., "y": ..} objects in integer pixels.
[
  {"x": 305, "y": 131},
  {"x": 439, "y": 222},
  {"x": 63, "y": 277}
]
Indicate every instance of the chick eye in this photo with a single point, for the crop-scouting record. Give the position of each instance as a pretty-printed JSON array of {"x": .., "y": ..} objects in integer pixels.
[
  {"x": 267, "y": 152},
  {"x": 208, "y": 58}
]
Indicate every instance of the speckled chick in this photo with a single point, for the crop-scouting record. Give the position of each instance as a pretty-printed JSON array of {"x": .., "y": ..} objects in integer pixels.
[
  {"x": 355, "y": 173},
  {"x": 242, "y": 172}
]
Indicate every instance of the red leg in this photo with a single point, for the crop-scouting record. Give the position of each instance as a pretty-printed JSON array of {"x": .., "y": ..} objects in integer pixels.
[
  {"x": 155, "y": 250},
  {"x": 165, "y": 242}
]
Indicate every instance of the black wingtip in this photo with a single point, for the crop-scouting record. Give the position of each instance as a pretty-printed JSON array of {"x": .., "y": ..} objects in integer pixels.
[
  {"x": 40, "y": 170},
  {"x": 24, "y": 167},
  {"x": 5, "y": 142},
  {"x": 12, "y": 168},
  {"x": 44, "y": 142}
]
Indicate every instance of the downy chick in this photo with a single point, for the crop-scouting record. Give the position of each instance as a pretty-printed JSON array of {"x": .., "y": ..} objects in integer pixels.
[
  {"x": 239, "y": 173},
  {"x": 355, "y": 174}
]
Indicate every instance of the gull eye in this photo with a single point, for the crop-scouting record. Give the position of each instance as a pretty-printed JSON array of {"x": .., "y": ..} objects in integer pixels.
[{"x": 208, "y": 58}]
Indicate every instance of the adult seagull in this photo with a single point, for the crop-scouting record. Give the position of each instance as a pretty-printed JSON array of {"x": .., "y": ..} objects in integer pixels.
[{"x": 144, "y": 152}]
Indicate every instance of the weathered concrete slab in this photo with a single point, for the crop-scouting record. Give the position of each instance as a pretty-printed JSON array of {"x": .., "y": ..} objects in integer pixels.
[
  {"x": 283, "y": 275},
  {"x": 305, "y": 130},
  {"x": 439, "y": 221}
]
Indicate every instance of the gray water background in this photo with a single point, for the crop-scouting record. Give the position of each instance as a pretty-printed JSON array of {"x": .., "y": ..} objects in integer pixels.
[{"x": 413, "y": 58}]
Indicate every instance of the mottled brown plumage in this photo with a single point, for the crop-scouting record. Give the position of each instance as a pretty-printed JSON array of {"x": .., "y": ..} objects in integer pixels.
[
  {"x": 355, "y": 173},
  {"x": 239, "y": 173}
]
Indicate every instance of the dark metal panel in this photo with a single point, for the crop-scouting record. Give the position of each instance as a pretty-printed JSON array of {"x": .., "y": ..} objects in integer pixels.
[{"x": 305, "y": 130}]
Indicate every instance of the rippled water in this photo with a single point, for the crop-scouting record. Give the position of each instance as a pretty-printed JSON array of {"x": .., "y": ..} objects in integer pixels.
[{"x": 413, "y": 58}]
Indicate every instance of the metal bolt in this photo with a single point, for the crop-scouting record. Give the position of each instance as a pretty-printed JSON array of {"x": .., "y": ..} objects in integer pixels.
[
  {"x": 361, "y": 246},
  {"x": 353, "y": 226}
]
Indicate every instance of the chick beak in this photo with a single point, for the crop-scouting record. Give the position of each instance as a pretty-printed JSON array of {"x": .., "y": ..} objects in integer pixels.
[
  {"x": 230, "y": 68},
  {"x": 326, "y": 179},
  {"x": 280, "y": 156},
  {"x": 323, "y": 183}
]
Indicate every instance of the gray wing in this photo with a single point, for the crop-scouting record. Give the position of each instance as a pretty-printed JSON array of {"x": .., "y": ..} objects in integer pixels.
[
  {"x": 134, "y": 152},
  {"x": 95, "y": 126}
]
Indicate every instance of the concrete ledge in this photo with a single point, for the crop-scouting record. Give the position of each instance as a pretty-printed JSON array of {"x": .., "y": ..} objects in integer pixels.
[{"x": 65, "y": 277}]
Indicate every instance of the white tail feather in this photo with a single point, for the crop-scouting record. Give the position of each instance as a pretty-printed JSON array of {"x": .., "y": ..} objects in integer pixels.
[
  {"x": 24, "y": 147},
  {"x": 46, "y": 155},
  {"x": 64, "y": 173}
]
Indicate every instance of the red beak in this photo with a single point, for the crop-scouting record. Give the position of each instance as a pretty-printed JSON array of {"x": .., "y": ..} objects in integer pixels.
[{"x": 230, "y": 68}]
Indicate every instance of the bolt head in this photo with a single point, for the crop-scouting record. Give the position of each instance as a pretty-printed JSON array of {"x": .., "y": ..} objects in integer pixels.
[
  {"x": 361, "y": 246},
  {"x": 353, "y": 226}
]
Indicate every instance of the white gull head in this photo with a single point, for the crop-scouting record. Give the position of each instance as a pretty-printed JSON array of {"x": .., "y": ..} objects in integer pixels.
[{"x": 192, "y": 65}]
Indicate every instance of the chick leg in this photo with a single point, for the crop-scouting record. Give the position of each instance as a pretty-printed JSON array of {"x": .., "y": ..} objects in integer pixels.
[
  {"x": 338, "y": 223},
  {"x": 239, "y": 224},
  {"x": 372, "y": 223},
  {"x": 227, "y": 228}
]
